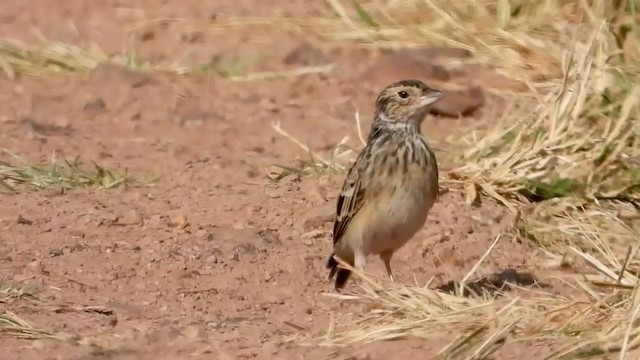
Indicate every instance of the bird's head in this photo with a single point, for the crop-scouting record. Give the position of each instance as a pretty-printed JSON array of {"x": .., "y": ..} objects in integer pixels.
[{"x": 405, "y": 101}]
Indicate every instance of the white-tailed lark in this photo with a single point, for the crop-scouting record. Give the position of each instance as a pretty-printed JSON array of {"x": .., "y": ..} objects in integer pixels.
[{"x": 392, "y": 185}]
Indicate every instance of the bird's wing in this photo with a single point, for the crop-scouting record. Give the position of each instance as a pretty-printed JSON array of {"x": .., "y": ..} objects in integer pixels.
[{"x": 350, "y": 200}]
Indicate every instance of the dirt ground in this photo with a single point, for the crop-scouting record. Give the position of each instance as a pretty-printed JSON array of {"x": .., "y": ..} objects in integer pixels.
[{"x": 213, "y": 261}]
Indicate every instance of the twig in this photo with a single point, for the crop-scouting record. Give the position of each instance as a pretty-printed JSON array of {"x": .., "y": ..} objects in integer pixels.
[
  {"x": 624, "y": 265},
  {"x": 197, "y": 291}
]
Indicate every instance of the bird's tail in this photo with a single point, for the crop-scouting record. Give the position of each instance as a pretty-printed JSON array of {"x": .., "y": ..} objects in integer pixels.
[{"x": 342, "y": 275}]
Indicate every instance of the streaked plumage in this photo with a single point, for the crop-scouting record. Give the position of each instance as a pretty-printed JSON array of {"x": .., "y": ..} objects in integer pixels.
[{"x": 392, "y": 185}]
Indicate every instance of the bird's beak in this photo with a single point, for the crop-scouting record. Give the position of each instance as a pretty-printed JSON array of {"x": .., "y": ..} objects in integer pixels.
[{"x": 430, "y": 98}]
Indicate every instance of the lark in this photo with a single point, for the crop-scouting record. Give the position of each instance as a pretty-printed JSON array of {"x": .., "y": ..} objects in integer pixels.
[{"x": 392, "y": 185}]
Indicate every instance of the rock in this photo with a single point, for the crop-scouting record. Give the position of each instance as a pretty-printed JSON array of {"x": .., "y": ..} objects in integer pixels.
[
  {"x": 42, "y": 129},
  {"x": 316, "y": 218},
  {"x": 24, "y": 221},
  {"x": 109, "y": 219},
  {"x": 108, "y": 73},
  {"x": 306, "y": 54},
  {"x": 243, "y": 249},
  {"x": 125, "y": 309},
  {"x": 314, "y": 234},
  {"x": 482, "y": 75},
  {"x": 147, "y": 35},
  {"x": 96, "y": 104},
  {"x": 178, "y": 221},
  {"x": 459, "y": 103},
  {"x": 156, "y": 221},
  {"x": 37, "y": 264},
  {"x": 424, "y": 64},
  {"x": 314, "y": 192},
  {"x": 56, "y": 252},
  {"x": 54, "y": 192},
  {"x": 77, "y": 234},
  {"x": 397, "y": 66},
  {"x": 275, "y": 192},
  {"x": 432, "y": 54},
  {"x": 131, "y": 217},
  {"x": 193, "y": 37},
  {"x": 193, "y": 332},
  {"x": 269, "y": 236}
]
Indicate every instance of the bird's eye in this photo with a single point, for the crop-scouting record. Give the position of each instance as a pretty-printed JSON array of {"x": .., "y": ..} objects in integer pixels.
[{"x": 403, "y": 94}]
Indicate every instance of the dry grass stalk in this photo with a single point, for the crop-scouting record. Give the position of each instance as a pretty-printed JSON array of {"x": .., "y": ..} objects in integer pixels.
[
  {"x": 55, "y": 57},
  {"x": 338, "y": 159},
  {"x": 51, "y": 57},
  {"x": 594, "y": 233},
  {"x": 67, "y": 174},
  {"x": 10, "y": 292},
  {"x": 592, "y": 323},
  {"x": 13, "y": 326},
  {"x": 570, "y": 144},
  {"x": 523, "y": 40}
]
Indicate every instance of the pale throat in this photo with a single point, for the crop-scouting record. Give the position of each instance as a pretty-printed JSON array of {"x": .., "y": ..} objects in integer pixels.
[{"x": 412, "y": 125}]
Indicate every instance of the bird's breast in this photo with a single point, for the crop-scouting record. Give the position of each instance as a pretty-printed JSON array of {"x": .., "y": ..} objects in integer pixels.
[{"x": 402, "y": 210}]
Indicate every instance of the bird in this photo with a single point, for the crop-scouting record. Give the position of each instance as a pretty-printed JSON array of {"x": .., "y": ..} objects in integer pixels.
[{"x": 392, "y": 184}]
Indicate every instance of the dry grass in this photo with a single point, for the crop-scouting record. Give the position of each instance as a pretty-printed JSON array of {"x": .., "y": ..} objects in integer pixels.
[
  {"x": 10, "y": 324},
  {"x": 578, "y": 60},
  {"x": 565, "y": 156},
  {"x": 65, "y": 174},
  {"x": 54, "y": 57},
  {"x": 19, "y": 296},
  {"x": 337, "y": 159},
  {"x": 13, "y": 326},
  {"x": 596, "y": 318},
  {"x": 578, "y": 140},
  {"x": 589, "y": 322},
  {"x": 575, "y": 128},
  {"x": 520, "y": 39},
  {"x": 10, "y": 292},
  {"x": 523, "y": 40}
]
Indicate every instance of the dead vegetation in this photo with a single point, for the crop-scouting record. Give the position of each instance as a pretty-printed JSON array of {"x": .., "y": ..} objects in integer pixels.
[
  {"x": 64, "y": 174},
  {"x": 563, "y": 157},
  {"x": 54, "y": 57},
  {"x": 20, "y": 297},
  {"x": 10, "y": 292},
  {"x": 47, "y": 57},
  {"x": 11, "y": 325}
]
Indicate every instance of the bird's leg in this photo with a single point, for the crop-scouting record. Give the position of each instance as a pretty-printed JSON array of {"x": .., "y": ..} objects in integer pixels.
[
  {"x": 360, "y": 260},
  {"x": 386, "y": 258}
]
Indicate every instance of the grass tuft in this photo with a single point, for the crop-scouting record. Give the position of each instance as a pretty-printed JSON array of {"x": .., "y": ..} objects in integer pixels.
[
  {"x": 13, "y": 326},
  {"x": 54, "y": 57},
  {"x": 65, "y": 174},
  {"x": 596, "y": 319},
  {"x": 338, "y": 159},
  {"x": 573, "y": 143},
  {"x": 10, "y": 292}
]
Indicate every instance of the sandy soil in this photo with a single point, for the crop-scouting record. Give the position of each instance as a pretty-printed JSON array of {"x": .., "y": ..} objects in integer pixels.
[{"x": 214, "y": 261}]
